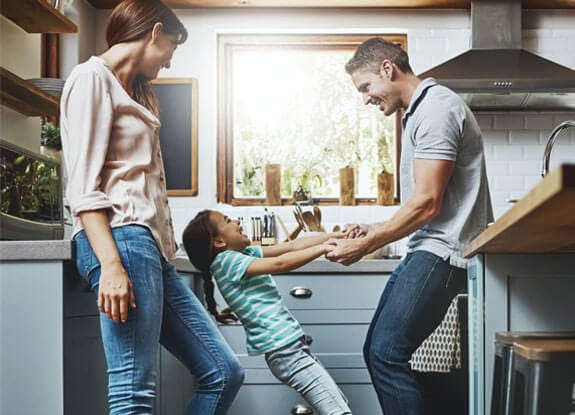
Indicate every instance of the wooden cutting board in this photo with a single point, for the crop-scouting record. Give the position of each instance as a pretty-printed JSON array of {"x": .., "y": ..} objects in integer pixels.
[{"x": 543, "y": 221}]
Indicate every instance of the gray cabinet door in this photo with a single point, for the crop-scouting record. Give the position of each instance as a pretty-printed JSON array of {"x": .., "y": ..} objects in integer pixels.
[{"x": 85, "y": 377}]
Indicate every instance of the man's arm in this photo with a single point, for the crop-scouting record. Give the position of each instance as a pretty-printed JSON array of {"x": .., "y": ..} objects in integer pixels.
[{"x": 431, "y": 178}]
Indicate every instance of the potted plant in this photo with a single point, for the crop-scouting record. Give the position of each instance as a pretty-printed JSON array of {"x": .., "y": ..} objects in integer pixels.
[
  {"x": 50, "y": 140},
  {"x": 307, "y": 174}
]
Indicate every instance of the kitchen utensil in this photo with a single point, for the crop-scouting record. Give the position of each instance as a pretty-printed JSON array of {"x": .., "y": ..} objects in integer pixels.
[
  {"x": 299, "y": 219},
  {"x": 317, "y": 214},
  {"x": 311, "y": 221},
  {"x": 294, "y": 233},
  {"x": 284, "y": 228}
]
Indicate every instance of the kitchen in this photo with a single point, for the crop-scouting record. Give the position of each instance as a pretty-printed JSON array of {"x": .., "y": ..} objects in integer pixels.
[{"x": 514, "y": 140}]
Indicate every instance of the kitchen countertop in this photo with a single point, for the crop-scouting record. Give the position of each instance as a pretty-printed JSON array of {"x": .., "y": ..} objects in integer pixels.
[
  {"x": 35, "y": 250},
  {"x": 543, "y": 221},
  {"x": 319, "y": 265},
  {"x": 62, "y": 250}
]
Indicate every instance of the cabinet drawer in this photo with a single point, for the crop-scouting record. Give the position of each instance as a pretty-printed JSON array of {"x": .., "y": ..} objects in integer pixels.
[
  {"x": 341, "y": 344},
  {"x": 335, "y": 291},
  {"x": 328, "y": 291},
  {"x": 280, "y": 399}
]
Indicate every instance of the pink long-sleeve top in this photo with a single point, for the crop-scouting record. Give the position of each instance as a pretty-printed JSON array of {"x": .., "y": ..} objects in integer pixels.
[{"x": 112, "y": 152}]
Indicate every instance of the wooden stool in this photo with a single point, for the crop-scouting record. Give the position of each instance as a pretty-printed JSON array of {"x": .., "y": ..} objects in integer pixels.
[
  {"x": 543, "y": 381},
  {"x": 503, "y": 364}
]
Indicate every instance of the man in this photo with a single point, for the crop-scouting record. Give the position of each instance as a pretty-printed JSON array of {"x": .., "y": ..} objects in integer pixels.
[{"x": 445, "y": 204}]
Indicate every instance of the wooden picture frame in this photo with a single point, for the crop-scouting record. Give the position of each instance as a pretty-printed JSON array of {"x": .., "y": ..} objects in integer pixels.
[{"x": 178, "y": 100}]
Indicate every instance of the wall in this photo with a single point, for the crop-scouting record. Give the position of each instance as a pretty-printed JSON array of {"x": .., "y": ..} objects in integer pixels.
[{"x": 513, "y": 141}]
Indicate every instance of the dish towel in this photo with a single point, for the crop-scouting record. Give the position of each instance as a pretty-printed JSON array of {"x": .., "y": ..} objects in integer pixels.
[{"x": 441, "y": 351}]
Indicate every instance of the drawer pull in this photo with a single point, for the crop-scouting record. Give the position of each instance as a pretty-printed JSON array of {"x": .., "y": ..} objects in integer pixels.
[
  {"x": 300, "y": 292},
  {"x": 301, "y": 410},
  {"x": 307, "y": 339}
]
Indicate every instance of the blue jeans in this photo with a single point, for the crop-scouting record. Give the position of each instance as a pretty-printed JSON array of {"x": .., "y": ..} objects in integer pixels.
[
  {"x": 295, "y": 366},
  {"x": 167, "y": 312},
  {"x": 412, "y": 305}
]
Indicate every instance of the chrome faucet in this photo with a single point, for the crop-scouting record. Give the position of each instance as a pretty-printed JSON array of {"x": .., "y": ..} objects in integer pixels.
[{"x": 550, "y": 143}]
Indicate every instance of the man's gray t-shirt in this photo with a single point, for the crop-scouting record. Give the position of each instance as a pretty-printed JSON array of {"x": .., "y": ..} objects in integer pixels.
[{"x": 439, "y": 125}]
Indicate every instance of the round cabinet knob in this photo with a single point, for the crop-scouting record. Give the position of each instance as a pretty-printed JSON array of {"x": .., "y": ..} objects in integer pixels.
[
  {"x": 301, "y": 410},
  {"x": 307, "y": 339},
  {"x": 300, "y": 292}
]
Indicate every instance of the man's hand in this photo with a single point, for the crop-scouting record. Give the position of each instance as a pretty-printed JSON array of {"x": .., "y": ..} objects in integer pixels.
[
  {"x": 347, "y": 251},
  {"x": 115, "y": 293}
]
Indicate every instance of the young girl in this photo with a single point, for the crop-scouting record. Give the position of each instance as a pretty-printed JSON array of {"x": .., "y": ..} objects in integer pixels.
[{"x": 217, "y": 246}]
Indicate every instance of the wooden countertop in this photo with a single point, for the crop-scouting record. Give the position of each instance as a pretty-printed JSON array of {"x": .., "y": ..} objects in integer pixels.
[{"x": 541, "y": 222}]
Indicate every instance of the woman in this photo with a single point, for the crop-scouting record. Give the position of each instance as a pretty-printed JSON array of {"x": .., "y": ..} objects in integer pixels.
[{"x": 122, "y": 225}]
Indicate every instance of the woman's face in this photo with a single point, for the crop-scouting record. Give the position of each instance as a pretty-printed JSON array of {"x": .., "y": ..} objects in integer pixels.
[
  {"x": 230, "y": 232},
  {"x": 158, "y": 54}
]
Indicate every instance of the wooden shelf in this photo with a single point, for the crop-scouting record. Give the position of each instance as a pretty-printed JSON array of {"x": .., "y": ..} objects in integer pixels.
[
  {"x": 37, "y": 16},
  {"x": 411, "y": 4},
  {"x": 24, "y": 97}
]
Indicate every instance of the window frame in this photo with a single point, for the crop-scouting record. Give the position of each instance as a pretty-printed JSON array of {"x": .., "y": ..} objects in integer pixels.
[{"x": 227, "y": 43}]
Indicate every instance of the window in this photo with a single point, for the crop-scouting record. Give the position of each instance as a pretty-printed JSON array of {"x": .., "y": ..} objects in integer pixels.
[{"x": 287, "y": 99}]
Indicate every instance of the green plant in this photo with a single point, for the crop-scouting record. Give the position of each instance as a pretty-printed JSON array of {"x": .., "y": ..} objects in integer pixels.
[{"x": 50, "y": 136}]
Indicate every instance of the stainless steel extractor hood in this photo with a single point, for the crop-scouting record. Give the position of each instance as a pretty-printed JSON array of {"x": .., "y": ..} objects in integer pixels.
[{"x": 496, "y": 74}]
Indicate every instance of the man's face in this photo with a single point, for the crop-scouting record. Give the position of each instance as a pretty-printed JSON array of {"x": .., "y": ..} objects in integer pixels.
[{"x": 376, "y": 89}]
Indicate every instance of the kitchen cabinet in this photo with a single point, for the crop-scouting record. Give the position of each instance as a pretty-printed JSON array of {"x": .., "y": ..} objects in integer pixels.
[
  {"x": 51, "y": 341},
  {"x": 522, "y": 276},
  {"x": 33, "y": 16},
  {"x": 334, "y": 305}
]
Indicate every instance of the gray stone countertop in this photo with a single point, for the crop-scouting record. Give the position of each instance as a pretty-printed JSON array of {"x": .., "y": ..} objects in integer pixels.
[
  {"x": 35, "y": 250},
  {"x": 62, "y": 250},
  {"x": 319, "y": 266}
]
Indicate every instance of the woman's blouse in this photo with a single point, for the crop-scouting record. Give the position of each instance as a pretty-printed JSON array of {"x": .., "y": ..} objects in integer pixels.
[{"x": 112, "y": 153}]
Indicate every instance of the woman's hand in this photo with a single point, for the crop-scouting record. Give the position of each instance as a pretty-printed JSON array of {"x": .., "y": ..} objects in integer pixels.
[{"x": 115, "y": 292}]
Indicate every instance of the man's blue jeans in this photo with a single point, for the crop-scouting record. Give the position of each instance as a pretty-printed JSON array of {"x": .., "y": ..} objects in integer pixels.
[
  {"x": 412, "y": 305},
  {"x": 166, "y": 312}
]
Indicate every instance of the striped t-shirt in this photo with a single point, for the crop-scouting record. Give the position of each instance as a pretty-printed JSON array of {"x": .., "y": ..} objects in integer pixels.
[{"x": 255, "y": 300}]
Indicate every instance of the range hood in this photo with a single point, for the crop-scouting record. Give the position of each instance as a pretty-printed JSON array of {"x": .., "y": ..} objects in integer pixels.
[{"x": 496, "y": 74}]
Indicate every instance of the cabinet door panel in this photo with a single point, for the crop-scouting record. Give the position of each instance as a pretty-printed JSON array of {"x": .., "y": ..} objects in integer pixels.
[
  {"x": 335, "y": 345},
  {"x": 85, "y": 377}
]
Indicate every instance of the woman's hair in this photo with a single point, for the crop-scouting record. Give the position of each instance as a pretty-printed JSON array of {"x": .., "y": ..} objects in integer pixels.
[
  {"x": 197, "y": 239},
  {"x": 132, "y": 20},
  {"x": 371, "y": 53}
]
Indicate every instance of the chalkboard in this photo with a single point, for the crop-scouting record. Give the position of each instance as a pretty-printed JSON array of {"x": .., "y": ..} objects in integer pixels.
[{"x": 178, "y": 100}]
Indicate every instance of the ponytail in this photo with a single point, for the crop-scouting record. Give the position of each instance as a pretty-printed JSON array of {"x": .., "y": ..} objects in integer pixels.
[
  {"x": 197, "y": 239},
  {"x": 225, "y": 316}
]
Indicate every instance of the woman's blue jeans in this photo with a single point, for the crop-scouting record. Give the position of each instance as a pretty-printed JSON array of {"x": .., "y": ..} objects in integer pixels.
[
  {"x": 167, "y": 312},
  {"x": 412, "y": 305}
]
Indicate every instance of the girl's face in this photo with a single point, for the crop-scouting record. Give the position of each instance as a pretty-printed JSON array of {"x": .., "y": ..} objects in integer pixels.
[{"x": 230, "y": 233}]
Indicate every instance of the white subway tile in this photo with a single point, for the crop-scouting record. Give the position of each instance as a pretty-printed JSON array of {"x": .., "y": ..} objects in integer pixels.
[
  {"x": 533, "y": 152},
  {"x": 531, "y": 181},
  {"x": 523, "y": 137},
  {"x": 497, "y": 168},
  {"x": 485, "y": 122},
  {"x": 523, "y": 168},
  {"x": 507, "y": 152},
  {"x": 508, "y": 122},
  {"x": 508, "y": 183},
  {"x": 538, "y": 122},
  {"x": 496, "y": 137}
]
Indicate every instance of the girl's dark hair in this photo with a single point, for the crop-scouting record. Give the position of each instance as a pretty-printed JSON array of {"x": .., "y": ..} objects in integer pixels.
[
  {"x": 197, "y": 239},
  {"x": 371, "y": 53},
  {"x": 132, "y": 20}
]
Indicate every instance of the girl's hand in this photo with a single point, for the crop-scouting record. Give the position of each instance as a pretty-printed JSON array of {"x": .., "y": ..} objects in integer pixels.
[
  {"x": 353, "y": 231},
  {"x": 115, "y": 292}
]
